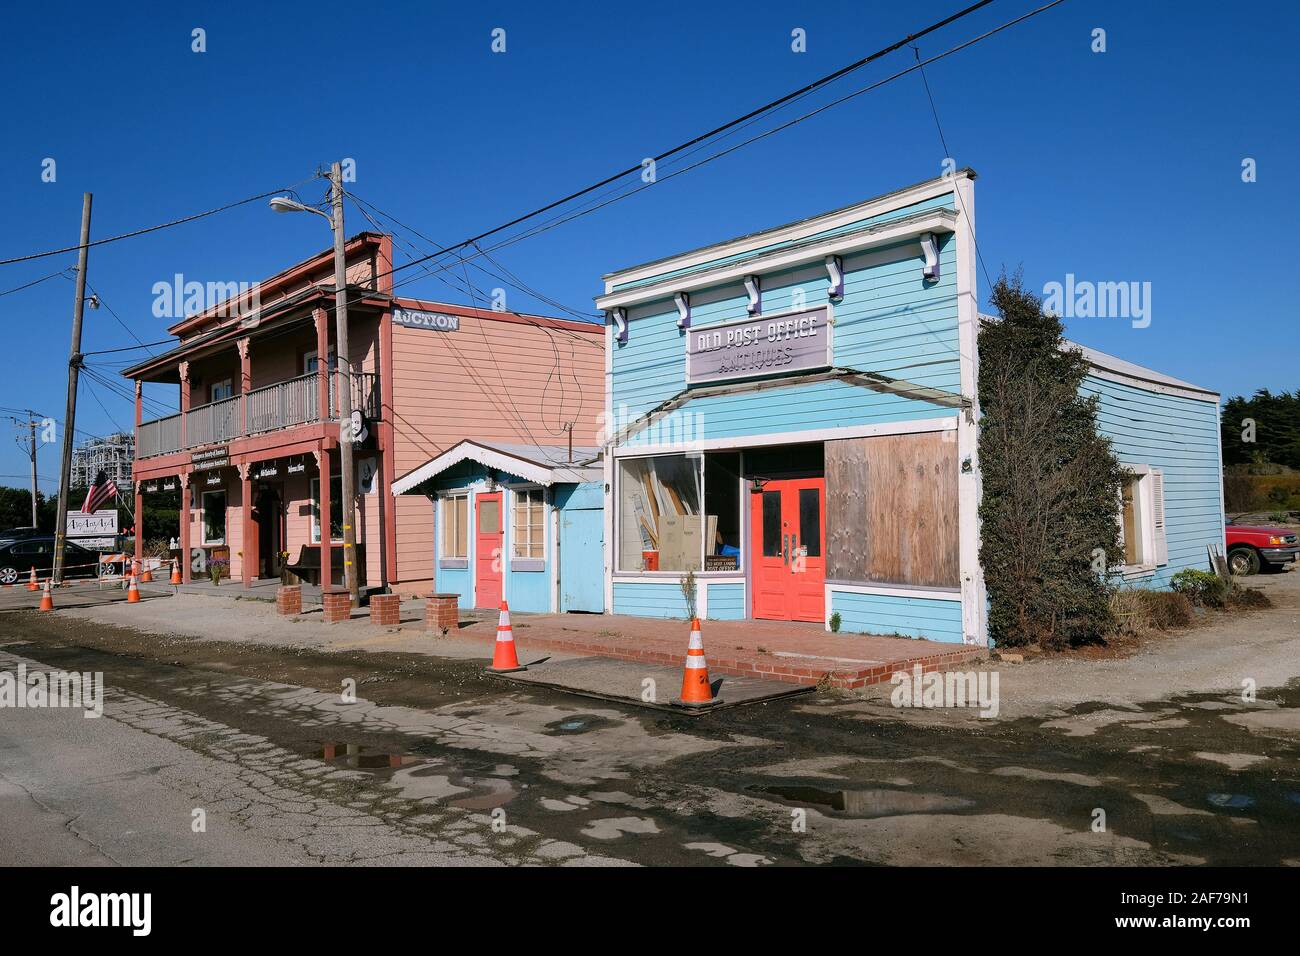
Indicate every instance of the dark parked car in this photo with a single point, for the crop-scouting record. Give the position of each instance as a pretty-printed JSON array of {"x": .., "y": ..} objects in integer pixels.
[
  {"x": 17, "y": 558},
  {"x": 17, "y": 534}
]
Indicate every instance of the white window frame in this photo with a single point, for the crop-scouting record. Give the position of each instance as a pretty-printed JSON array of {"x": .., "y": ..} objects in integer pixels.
[
  {"x": 307, "y": 358},
  {"x": 1148, "y": 498},
  {"x": 225, "y": 384},
  {"x": 524, "y": 562},
  {"x": 453, "y": 562},
  {"x": 203, "y": 518},
  {"x": 695, "y": 456}
]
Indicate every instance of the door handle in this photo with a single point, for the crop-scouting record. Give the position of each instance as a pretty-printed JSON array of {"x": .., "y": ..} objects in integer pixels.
[{"x": 785, "y": 549}]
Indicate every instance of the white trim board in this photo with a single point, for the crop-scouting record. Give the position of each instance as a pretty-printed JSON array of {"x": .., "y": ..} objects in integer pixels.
[
  {"x": 893, "y": 590},
  {"x": 910, "y": 427},
  {"x": 867, "y": 209},
  {"x": 934, "y": 220}
]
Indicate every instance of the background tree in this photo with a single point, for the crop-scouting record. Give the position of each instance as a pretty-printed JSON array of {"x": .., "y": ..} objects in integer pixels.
[
  {"x": 1276, "y": 430},
  {"x": 1051, "y": 482}
]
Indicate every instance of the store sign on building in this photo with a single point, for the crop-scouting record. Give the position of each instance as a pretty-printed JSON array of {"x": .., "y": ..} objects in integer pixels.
[
  {"x": 81, "y": 525},
  {"x": 218, "y": 457},
  {"x": 268, "y": 470},
  {"x": 151, "y": 486},
  {"x": 296, "y": 467},
  {"x": 760, "y": 345},
  {"x": 213, "y": 479},
  {"x": 429, "y": 321}
]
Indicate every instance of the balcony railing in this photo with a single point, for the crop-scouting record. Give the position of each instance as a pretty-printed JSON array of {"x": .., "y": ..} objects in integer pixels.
[
  {"x": 284, "y": 404},
  {"x": 271, "y": 408},
  {"x": 160, "y": 437},
  {"x": 213, "y": 423}
]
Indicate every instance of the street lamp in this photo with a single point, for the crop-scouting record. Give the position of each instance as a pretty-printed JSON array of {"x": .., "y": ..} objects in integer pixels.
[{"x": 346, "y": 463}]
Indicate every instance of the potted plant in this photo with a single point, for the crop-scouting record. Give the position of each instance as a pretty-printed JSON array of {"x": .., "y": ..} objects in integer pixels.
[{"x": 216, "y": 571}]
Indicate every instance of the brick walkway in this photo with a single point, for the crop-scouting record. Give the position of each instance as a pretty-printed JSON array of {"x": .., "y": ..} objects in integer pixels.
[{"x": 796, "y": 653}]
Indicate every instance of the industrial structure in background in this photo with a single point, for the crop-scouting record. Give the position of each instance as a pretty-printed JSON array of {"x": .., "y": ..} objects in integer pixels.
[{"x": 112, "y": 454}]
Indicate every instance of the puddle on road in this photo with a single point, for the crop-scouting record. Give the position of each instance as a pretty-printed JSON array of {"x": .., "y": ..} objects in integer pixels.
[
  {"x": 1231, "y": 801},
  {"x": 419, "y": 777},
  {"x": 867, "y": 803},
  {"x": 579, "y": 724}
]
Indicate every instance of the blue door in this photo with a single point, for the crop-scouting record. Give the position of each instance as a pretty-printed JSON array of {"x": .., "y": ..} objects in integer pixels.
[{"x": 582, "y": 560}]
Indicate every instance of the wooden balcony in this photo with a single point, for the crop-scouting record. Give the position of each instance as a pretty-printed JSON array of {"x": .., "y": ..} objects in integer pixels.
[{"x": 271, "y": 408}]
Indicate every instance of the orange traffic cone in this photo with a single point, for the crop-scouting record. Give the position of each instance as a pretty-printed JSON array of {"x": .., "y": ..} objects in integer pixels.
[
  {"x": 504, "y": 659},
  {"x": 176, "y": 572},
  {"x": 132, "y": 592},
  {"x": 146, "y": 576},
  {"x": 31, "y": 582},
  {"x": 47, "y": 599},
  {"x": 696, "y": 691}
]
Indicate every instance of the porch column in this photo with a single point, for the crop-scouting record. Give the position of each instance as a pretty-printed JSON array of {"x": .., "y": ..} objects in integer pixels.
[
  {"x": 185, "y": 528},
  {"x": 387, "y": 503},
  {"x": 249, "y": 560},
  {"x": 183, "y": 369},
  {"x": 326, "y": 567},
  {"x": 245, "y": 383},
  {"x": 322, "y": 364},
  {"x": 139, "y": 489}
]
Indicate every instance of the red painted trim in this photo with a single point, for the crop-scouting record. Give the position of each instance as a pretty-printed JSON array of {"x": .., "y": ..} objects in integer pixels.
[{"x": 322, "y": 261}]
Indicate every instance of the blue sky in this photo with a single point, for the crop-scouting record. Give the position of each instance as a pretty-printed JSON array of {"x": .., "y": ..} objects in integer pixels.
[{"x": 1115, "y": 166}]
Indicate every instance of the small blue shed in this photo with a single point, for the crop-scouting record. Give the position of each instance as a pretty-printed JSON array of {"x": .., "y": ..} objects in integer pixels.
[{"x": 515, "y": 522}]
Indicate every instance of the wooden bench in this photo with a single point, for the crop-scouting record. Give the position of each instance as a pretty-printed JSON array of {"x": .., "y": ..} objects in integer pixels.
[{"x": 307, "y": 567}]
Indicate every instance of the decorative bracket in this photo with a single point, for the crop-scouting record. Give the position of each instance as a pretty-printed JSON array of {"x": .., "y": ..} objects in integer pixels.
[
  {"x": 930, "y": 246},
  {"x": 242, "y": 345},
  {"x": 835, "y": 269},
  {"x": 683, "y": 302},
  {"x": 244, "y": 468},
  {"x": 619, "y": 316},
  {"x": 755, "y": 292},
  {"x": 183, "y": 370}
]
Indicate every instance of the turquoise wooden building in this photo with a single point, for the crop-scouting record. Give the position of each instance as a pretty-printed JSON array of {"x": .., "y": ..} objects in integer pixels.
[
  {"x": 792, "y": 419},
  {"x": 515, "y": 522}
]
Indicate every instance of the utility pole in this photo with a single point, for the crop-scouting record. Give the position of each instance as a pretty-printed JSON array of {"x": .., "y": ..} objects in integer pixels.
[
  {"x": 28, "y": 443},
  {"x": 346, "y": 469},
  {"x": 74, "y": 369}
]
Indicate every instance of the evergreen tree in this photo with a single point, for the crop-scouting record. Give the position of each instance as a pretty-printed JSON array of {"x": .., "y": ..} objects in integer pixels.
[{"x": 1051, "y": 482}]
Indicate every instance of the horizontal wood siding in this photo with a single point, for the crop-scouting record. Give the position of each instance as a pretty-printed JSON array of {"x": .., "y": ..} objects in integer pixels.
[
  {"x": 1180, "y": 436},
  {"x": 890, "y": 321},
  {"x": 491, "y": 380},
  {"x": 930, "y": 618},
  {"x": 891, "y": 510},
  {"x": 726, "y": 602},
  {"x": 649, "y": 599}
]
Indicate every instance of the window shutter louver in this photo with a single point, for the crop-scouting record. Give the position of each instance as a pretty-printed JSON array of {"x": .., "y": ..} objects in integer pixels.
[{"x": 1158, "y": 517}]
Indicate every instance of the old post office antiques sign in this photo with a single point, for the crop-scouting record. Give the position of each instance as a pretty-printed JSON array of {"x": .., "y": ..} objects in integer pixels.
[
  {"x": 759, "y": 345},
  {"x": 430, "y": 321}
]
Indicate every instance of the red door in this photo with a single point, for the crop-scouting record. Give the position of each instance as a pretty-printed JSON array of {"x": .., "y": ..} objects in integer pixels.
[
  {"x": 488, "y": 539},
  {"x": 788, "y": 547}
]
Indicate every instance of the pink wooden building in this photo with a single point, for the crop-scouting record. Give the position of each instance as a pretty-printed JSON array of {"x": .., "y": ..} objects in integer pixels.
[{"x": 255, "y": 445}]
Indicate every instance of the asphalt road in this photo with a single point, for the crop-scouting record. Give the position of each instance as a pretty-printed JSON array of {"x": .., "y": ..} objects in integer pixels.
[{"x": 213, "y": 752}]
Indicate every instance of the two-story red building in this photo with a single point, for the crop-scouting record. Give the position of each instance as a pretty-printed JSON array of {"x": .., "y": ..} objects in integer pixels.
[{"x": 255, "y": 445}]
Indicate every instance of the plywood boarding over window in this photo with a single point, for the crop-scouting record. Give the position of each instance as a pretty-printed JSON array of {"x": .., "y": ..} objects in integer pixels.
[{"x": 891, "y": 510}]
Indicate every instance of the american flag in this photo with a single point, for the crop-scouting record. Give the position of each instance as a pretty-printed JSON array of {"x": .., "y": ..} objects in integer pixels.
[{"x": 100, "y": 493}]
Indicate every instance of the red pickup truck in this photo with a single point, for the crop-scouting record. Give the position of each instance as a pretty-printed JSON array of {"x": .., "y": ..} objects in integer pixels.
[{"x": 1252, "y": 547}]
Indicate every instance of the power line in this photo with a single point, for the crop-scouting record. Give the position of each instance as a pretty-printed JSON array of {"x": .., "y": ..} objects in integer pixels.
[
  {"x": 149, "y": 229},
  {"x": 52, "y": 275}
]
